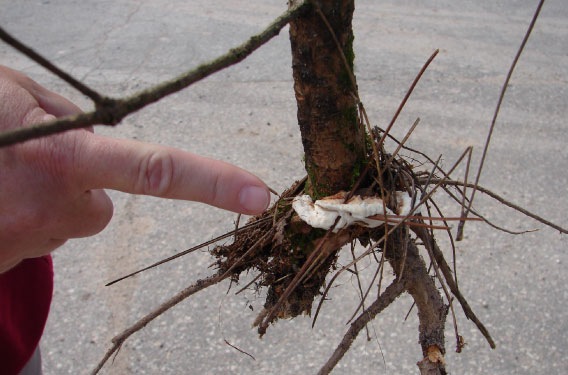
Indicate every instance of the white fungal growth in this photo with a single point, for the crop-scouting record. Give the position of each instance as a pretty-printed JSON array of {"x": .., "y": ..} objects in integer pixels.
[{"x": 357, "y": 210}]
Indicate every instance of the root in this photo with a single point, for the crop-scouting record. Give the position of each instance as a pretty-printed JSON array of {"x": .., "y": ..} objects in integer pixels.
[
  {"x": 390, "y": 294},
  {"x": 431, "y": 308},
  {"x": 446, "y": 271},
  {"x": 118, "y": 340}
]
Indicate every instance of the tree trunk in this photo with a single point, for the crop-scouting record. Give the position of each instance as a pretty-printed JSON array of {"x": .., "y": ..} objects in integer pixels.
[{"x": 334, "y": 143}]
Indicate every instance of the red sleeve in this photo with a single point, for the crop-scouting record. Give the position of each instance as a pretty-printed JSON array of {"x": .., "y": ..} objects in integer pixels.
[{"x": 25, "y": 296}]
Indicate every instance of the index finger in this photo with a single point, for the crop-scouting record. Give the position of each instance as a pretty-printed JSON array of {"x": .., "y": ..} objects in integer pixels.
[{"x": 141, "y": 168}]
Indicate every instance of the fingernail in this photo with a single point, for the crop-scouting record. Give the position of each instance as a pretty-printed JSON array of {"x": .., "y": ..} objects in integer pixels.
[{"x": 254, "y": 199}]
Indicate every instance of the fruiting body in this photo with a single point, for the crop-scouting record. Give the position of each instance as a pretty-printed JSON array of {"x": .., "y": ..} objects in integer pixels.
[{"x": 356, "y": 211}]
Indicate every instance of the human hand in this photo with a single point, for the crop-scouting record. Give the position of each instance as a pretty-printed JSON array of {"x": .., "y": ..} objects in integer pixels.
[{"x": 51, "y": 188}]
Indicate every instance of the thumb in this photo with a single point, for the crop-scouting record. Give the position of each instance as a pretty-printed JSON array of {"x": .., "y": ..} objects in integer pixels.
[{"x": 141, "y": 168}]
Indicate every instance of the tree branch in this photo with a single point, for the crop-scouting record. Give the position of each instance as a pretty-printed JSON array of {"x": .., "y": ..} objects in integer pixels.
[
  {"x": 111, "y": 111},
  {"x": 500, "y": 101}
]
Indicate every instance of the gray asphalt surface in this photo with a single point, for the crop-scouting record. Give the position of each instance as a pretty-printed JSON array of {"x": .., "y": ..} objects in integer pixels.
[{"x": 246, "y": 115}]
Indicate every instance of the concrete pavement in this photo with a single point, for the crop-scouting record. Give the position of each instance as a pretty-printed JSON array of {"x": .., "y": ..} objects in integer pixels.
[{"x": 246, "y": 115}]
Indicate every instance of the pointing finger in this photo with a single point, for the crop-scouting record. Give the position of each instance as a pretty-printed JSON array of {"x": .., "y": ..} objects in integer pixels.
[{"x": 141, "y": 168}]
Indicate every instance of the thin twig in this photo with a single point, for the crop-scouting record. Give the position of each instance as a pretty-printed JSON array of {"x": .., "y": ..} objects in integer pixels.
[
  {"x": 402, "y": 104},
  {"x": 409, "y": 311},
  {"x": 363, "y": 296},
  {"x": 506, "y": 203},
  {"x": 418, "y": 217},
  {"x": 452, "y": 243},
  {"x": 32, "y": 54},
  {"x": 501, "y": 96},
  {"x": 330, "y": 283},
  {"x": 446, "y": 176},
  {"x": 401, "y": 144},
  {"x": 404, "y": 233},
  {"x": 112, "y": 111},
  {"x": 273, "y": 191},
  {"x": 459, "y": 235},
  {"x": 411, "y": 223},
  {"x": 190, "y": 250},
  {"x": 249, "y": 283},
  {"x": 237, "y": 227},
  {"x": 486, "y": 220},
  {"x": 380, "y": 143},
  {"x": 240, "y": 350}
]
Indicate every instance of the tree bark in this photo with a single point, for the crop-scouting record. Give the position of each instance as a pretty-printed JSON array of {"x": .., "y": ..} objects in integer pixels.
[{"x": 334, "y": 143}]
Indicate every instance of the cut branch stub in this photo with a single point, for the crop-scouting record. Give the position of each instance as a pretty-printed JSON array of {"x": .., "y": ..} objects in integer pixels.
[{"x": 334, "y": 143}]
